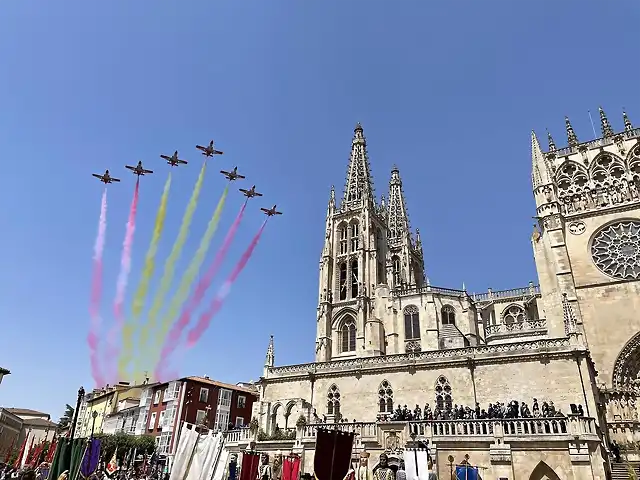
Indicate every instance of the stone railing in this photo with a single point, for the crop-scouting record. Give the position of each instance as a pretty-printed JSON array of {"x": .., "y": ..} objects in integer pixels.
[
  {"x": 530, "y": 326},
  {"x": 387, "y": 362},
  {"x": 530, "y": 429},
  {"x": 520, "y": 427},
  {"x": 529, "y": 291},
  {"x": 600, "y": 142}
]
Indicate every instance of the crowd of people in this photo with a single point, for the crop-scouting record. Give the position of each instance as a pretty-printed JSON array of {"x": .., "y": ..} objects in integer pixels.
[
  {"x": 497, "y": 410},
  {"x": 28, "y": 472}
]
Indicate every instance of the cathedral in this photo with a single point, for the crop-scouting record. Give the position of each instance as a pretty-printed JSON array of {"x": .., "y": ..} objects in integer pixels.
[{"x": 536, "y": 382}]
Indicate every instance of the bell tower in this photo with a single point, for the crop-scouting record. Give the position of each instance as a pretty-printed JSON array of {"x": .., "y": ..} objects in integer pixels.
[{"x": 351, "y": 265}]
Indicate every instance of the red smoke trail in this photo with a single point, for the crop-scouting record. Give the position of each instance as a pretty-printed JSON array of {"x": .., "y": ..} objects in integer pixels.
[
  {"x": 205, "y": 319},
  {"x": 175, "y": 333},
  {"x": 123, "y": 276},
  {"x": 96, "y": 293}
]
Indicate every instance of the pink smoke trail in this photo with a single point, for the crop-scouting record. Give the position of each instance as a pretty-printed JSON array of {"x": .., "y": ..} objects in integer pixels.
[
  {"x": 123, "y": 276},
  {"x": 205, "y": 319},
  {"x": 96, "y": 293},
  {"x": 203, "y": 285}
]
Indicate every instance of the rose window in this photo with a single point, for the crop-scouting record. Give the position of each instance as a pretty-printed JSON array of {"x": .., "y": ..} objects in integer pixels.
[{"x": 616, "y": 250}]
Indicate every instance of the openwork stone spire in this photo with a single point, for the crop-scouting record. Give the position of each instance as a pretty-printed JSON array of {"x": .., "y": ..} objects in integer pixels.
[
  {"x": 571, "y": 134},
  {"x": 358, "y": 191},
  {"x": 332, "y": 201},
  {"x": 569, "y": 317},
  {"x": 627, "y": 123},
  {"x": 552, "y": 144},
  {"x": 270, "y": 358},
  {"x": 398, "y": 220},
  {"x": 540, "y": 174},
  {"x": 605, "y": 126}
]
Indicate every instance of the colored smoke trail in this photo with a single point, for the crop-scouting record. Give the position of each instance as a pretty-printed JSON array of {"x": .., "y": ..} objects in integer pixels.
[
  {"x": 169, "y": 270},
  {"x": 123, "y": 276},
  {"x": 175, "y": 334},
  {"x": 147, "y": 272},
  {"x": 182, "y": 293},
  {"x": 96, "y": 293},
  {"x": 205, "y": 319}
]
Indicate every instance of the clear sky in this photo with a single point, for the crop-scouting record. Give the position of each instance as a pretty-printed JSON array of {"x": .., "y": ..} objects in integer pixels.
[{"x": 449, "y": 91}]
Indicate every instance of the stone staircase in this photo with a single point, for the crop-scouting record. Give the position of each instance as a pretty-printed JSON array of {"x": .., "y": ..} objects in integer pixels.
[
  {"x": 619, "y": 470},
  {"x": 450, "y": 337}
]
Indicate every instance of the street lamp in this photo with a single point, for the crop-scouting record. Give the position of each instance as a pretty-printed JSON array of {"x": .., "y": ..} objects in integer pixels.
[
  {"x": 451, "y": 459},
  {"x": 75, "y": 413},
  {"x": 94, "y": 415}
]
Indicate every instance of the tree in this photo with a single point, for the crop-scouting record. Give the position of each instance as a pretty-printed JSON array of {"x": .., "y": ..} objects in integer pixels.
[
  {"x": 67, "y": 417},
  {"x": 124, "y": 443}
]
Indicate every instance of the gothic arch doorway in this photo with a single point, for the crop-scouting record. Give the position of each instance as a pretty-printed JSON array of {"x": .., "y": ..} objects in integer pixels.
[
  {"x": 543, "y": 472},
  {"x": 627, "y": 365}
]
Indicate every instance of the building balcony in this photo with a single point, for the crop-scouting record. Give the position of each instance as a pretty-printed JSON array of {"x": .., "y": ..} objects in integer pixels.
[
  {"x": 511, "y": 331},
  {"x": 375, "y": 435}
]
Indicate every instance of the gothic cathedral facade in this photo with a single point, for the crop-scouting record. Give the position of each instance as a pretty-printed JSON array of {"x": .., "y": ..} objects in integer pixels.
[{"x": 387, "y": 338}]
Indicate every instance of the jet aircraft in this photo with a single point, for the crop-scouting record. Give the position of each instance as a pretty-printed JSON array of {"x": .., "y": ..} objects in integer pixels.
[
  {"x": 269, "y": 212},
  {"x": 106, "y": 178},
  {"x": 232, "y": 175},
  {"x": 173, "y": 160},
  {"x": 251, "y": 192},
  {"x": 209, "y": 150},
  {"x": 138, "y": 169}
]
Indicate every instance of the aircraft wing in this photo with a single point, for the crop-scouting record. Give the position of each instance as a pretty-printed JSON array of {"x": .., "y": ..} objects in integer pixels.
[
  {"x": 98, "y": 175},
  {"x": 166, "y": 157},
  {"x": 217, "y": 152},
  {"x": 278, "y": 213},
  {"x": 129, "y": 167},
  {"x": 257, "y": 194},
  {"x": 200, "y": 147},
  {"x": 115, "y": 179},
  {"x": 240, "y": 176},
  {"x": 183, "y": 162},
  {"x": 265, "y": 210},
  {"x": 147, "y": 171},
  {"x": 243, "y": 190}
]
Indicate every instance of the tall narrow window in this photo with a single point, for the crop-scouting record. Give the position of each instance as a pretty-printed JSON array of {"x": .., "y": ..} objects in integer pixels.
[
  {"x": 354, "y": 278},
  {"x": 396, "y": 271},
  {"x": 343, "y": 281},
  {"x": 343, "y": 240},
  {"x": 411, "y": 323},
  {"x": 355, "y": 236},
  {"x": 348, "y": 334},
  {"x": 385, "y": 397},
  {"x": 381, "y": 273},
  {"x": 444, "y": 399},
  {"x": 448, "y": 315},
  {"x": 333, "y": 401}
]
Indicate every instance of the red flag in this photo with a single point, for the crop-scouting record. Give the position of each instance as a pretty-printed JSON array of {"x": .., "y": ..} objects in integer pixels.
[
  {"x": 10, "y": 450},
  {"x": 52, "y": 450},
  {"x": 16, "y": 464}
]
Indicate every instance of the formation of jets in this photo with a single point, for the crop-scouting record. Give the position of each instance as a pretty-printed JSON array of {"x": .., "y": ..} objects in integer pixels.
[{"x": 174, "y": 161}]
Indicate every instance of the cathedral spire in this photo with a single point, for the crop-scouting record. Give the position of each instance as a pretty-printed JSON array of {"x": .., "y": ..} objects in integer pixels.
[
  {"x": 540, "y": 174},
  {"x": 331, "y": 207},
  {"x": 270, "y": 358},
  {"x": 627, "y": 123},
  {"x": 552, "y": 144},
  {"x": 398, "y": 220},
  {"x": 571, "y": 134},
  {"x": 358, "y": 191},
  {"x": 418, "y": 242},
  {"x": 605, "y": 126}
]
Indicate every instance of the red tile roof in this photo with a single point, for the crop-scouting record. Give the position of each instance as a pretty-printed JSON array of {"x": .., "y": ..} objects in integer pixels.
[{"x": 215, "y": 383}]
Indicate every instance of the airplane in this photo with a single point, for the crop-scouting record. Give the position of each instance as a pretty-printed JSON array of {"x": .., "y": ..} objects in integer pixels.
[
  {"x": 106, "y": 178},
  {"x": 209, "y": 150},
  {"x": 232, "y": 175},
  {"x": 251, "y": 192},
  {"x": 269, "y": 212},
  {"x": 173, "y": 160},
  {"x": 138, "y": 169}
]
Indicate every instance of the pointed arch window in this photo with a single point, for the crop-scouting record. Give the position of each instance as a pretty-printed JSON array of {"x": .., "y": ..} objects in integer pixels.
[
  {"x": 411, "y": 323},
  {"x": 333, "y": 401},
  {"x": 444, "y": 394},
  {"x": 354, "y": 278},
  {"x": 343, "y": 240},
  {"x": 343, "y": 281},
  {"x": 354, "y": 236},
  {"x": 448, "y": 315},
  {"x": 348, "y": 334},
  {"x": 396, "y": 270},
  {"x": 385, "y": 397}
]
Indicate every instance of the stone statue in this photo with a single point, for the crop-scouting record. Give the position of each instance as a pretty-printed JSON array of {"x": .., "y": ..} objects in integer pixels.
[
  {"x": 383, "y": 472},
  {"x": 264, "y": 470},
  {"x": 362, "y": 472}
]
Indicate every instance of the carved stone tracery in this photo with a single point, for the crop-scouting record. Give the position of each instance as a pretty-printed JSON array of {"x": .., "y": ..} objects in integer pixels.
[
  {"x": 626, "y": 371},
  {"x": 616, "y": 250}
]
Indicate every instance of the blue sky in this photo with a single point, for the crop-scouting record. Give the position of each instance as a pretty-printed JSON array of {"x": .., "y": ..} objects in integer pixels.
[{"x": 449, "y": 91}]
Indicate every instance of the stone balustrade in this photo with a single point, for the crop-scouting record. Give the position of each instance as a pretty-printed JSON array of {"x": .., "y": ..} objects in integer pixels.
[
  {"x": 521, "y": 429},
  {"x": 529, "y": 327}
]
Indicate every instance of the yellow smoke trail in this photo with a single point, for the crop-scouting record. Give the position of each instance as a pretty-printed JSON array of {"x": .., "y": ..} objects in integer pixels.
[
  {"x": 170, "y": 264},
  {"x": 181, "y": 295},
  {"x": 143, "y": 287}
]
